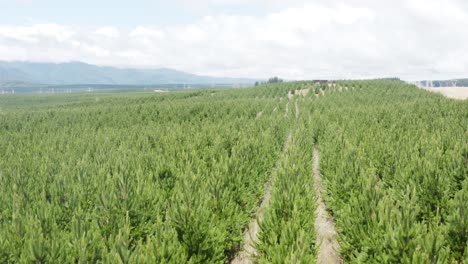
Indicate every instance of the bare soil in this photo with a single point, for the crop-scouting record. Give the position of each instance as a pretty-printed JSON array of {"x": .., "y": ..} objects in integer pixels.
[
  {"x": 324, "y": 226},
  {"x": 460, "y": 93},
  {"x": 248, "y": 252},
  {"x": 259, "y": 114},
  {"x": 302, "y": 92},
  {"x": 297, "y": 110}
]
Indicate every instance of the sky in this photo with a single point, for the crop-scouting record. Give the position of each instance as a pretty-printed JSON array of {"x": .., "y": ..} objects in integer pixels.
[{"x": 294, "y": 39}]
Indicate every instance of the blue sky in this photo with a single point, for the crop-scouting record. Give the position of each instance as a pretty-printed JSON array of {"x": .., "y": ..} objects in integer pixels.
[
  {"x": 121, "y": 13},
  {"x": 94, "y": 13},
  {"x": 294, "y": 39}
]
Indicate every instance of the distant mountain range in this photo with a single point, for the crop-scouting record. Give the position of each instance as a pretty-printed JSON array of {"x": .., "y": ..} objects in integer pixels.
[{"x": 29, "y": 74}]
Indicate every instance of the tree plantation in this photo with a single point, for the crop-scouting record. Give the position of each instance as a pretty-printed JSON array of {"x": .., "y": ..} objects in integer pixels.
[{"x": 182, "y": 177}]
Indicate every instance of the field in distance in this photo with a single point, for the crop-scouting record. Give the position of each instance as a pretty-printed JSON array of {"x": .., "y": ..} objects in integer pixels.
[{"x": 451, "y": 92}]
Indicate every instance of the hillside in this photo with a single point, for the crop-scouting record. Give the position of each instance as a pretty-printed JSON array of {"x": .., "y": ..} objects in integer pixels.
[{"x": 349, "y": 172}]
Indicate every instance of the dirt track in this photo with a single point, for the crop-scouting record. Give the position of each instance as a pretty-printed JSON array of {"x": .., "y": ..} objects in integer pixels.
[
  {"x": 259, "y": 115},
  {"x": 248, "y": 251},
  {"x": 297, "y": 110},
  {"x": 328, "y": 252}
]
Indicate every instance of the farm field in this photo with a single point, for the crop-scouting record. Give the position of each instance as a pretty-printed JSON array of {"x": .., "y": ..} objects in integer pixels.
[
  {"x": 451, "y": 92},
  {"x": 269, "y": 174}
]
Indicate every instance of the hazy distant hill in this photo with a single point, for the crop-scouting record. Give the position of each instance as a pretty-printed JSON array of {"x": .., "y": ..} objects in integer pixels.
[
  {"x": 447, "y": 83},
  {"x": 73, "y": 73}
]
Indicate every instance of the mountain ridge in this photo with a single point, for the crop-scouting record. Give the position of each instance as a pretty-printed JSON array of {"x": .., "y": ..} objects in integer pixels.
[{"x": 75, "y": 73}]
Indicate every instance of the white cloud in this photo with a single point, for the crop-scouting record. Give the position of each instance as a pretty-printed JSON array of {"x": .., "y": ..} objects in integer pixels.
[
  {"x": 109, "y": 32},
  {"x": 146, "y": 32},
  {"x": 93, "y": 50},
  {"x": 294, "y": 39},
  {"x": 33, "y": 33}
]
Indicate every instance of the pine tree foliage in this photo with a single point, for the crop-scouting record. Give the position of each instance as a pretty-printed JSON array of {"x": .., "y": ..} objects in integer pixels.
[{"x": 177, "y": 177}]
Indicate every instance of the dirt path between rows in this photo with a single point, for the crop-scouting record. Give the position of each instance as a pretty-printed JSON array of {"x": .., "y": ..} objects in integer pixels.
[
  {"x": 259, "y": 114},
  {"x": 327, "y": 242},
  {"x": 287, "y": 109},
  {"x": 297, "y": 110},
  {"x": 248, "y": 251}
]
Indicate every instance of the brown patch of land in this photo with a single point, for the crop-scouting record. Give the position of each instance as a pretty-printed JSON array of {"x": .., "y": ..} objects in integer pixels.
[
  {"x": 450, "y": 92},
  {"x": 248, "y": 252},
  {"x": 329, "y": 247}
]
